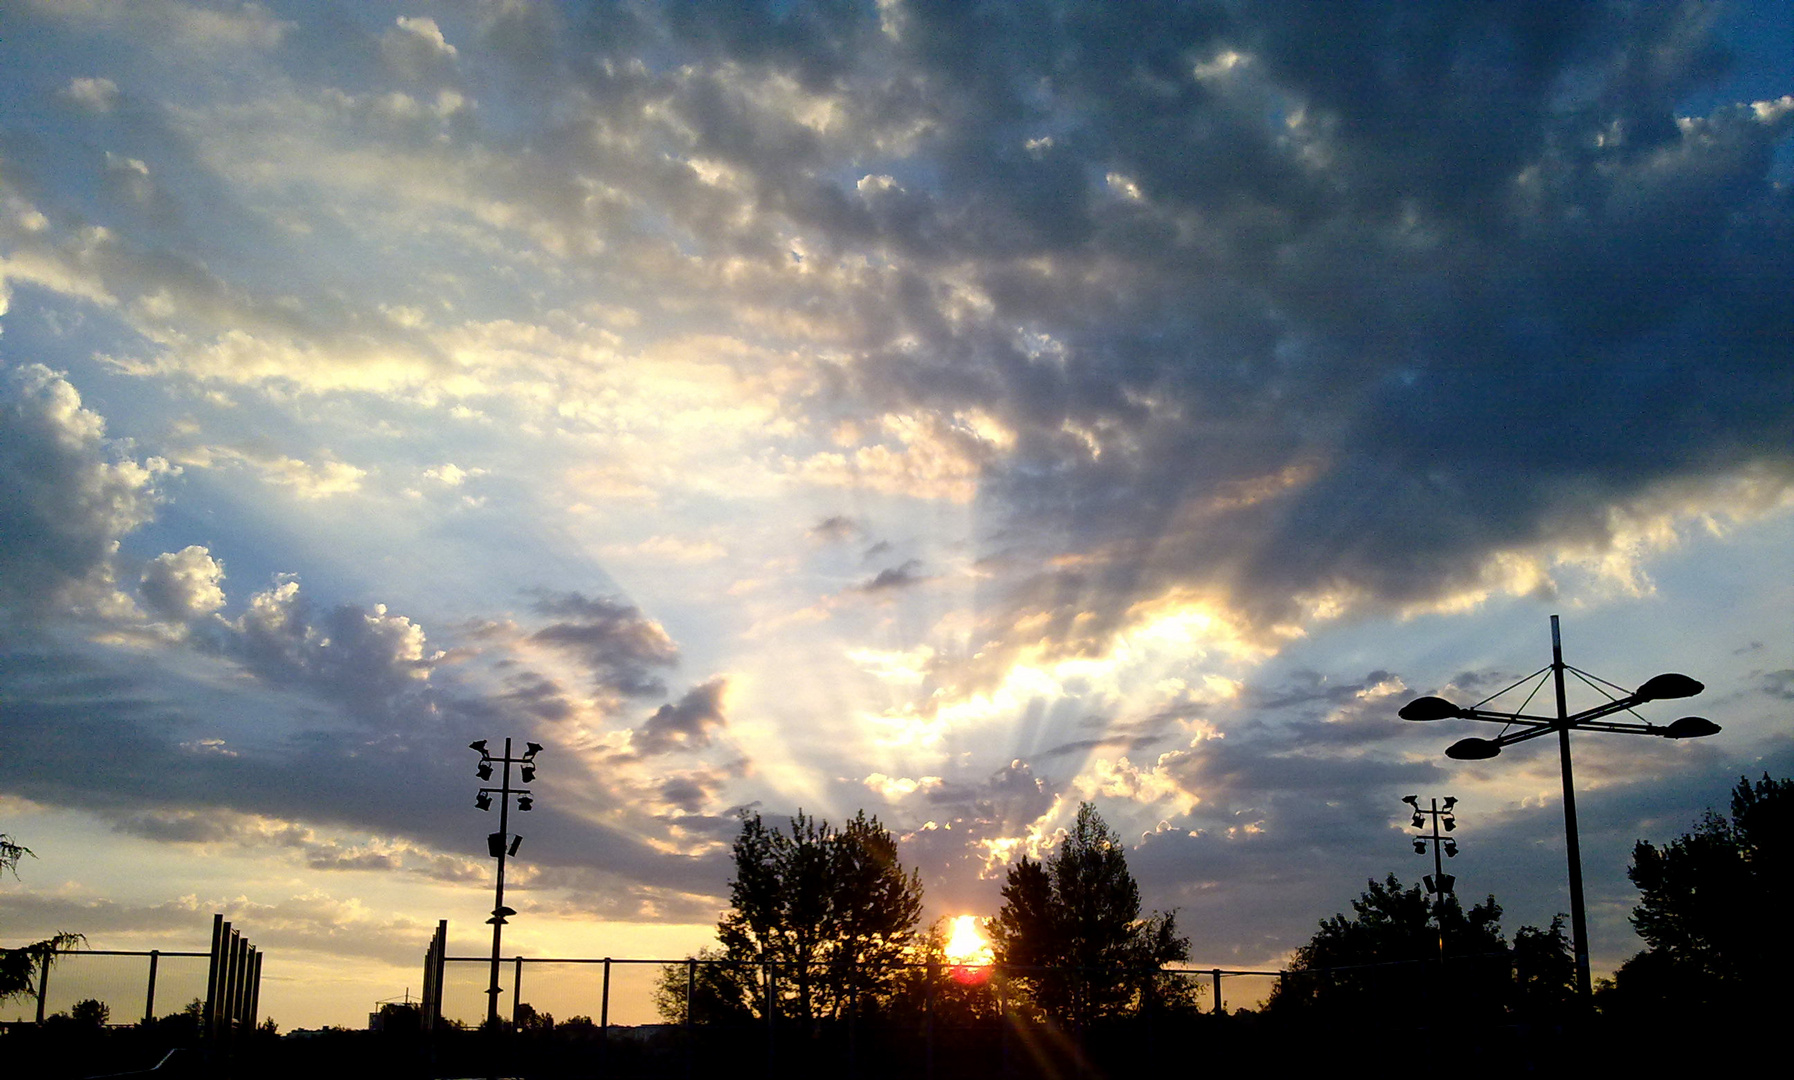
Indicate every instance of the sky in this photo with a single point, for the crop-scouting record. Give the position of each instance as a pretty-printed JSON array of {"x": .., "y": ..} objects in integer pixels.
[{"x": 952, "y": 411}]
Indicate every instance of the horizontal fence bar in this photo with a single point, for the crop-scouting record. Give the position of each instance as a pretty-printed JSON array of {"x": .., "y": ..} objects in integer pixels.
[
  {"x": 80, "y": 951},
  {"x": 902, "y": 966}
]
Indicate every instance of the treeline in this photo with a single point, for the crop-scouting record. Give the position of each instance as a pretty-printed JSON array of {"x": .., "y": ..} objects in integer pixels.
[{"x": 825, "y": 923}]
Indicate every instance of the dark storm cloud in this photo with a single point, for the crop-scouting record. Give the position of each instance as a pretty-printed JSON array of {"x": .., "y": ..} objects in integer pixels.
[
  {"x": 614, "y": 640},
  {"x": 1316, "y": 280}
]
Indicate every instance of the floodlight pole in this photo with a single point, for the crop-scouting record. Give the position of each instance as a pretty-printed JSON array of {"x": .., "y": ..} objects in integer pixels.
[
  {"x": 501, "y": 844},
  {"x": 1572, "y": 836},
  {"x": 498, "y": 897}
]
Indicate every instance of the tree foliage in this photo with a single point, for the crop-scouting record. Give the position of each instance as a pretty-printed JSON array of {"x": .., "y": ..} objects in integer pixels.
[
  {"x": 19, "y": 967},
  {"x": 1071, "y": 929},
  {"x": 1707, "y": 906},
  {"x": 1399, "y": 946},
  {"x": 11, "y": 851},
  {"x": 826, "y": 913}
]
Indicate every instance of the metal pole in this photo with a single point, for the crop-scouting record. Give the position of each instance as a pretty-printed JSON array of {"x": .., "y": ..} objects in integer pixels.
[
  {"x": 213, "y": 970},
  {"x": 691, "y": 986},
  {"x": 604, "y": 1003},
  {"x": 928, "y": 1006},
  {"x": 255, "y": 989},
  {"x": 1217, "y": 976},
  {"x": 604, "y": 1020},
  {"x": 149, "y": 996},
  {"x": 43, "y": 982},
  {"x": 498, "y": 921},
  {"x": 1578, "y": 913},
  {"x": 772, "y": 1020},
  {"x": 517, "y": 992}
]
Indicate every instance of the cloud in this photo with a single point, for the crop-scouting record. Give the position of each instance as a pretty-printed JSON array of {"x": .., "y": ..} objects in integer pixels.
[
  {"x": 352, "y": 654},
  {"x": 70, "y": 494},
  {"x": 181, "y": 586},
  {"x": 621, "y": 647},
  {"x": 96, "y": 94},
  {"x": 893, "y": 578},
  {"x": 687, "y": 725}
]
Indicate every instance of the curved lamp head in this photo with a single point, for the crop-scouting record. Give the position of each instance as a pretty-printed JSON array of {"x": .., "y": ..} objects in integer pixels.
[
  {"x": 478, "y": 744},
  {"x": 1690, "y": 727},
  {"x": 1429, "y": 708},
  {"x": 1473, "y": 749},
  {"x": 1663, "y": 687}
]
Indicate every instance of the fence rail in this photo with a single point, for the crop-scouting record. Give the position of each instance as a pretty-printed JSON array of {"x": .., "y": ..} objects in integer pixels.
[{"x": 228, "y": 987}]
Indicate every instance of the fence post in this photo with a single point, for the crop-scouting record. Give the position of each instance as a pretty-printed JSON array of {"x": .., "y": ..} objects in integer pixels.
[
  {"x": 255, "y": 988},
  {"x": 933, "y": 975},
  {"x": 43, "y": 982},
  {"x": 691, "y": 989},
  {"x": 772, "y": 1021},
  {"x": 149, "y": 996},
  {"x": 516, "y": 992},
  {"x": 604, "y": 1004},
  {"x": 1217, "y": 1009},
  {"x": 213, "y": 970}
]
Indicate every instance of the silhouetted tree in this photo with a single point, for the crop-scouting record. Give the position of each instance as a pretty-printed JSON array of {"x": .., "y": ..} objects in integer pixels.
[
  {"x": 1076, "y": 920},
  {"x": 1390, "y": 951},
  {"x": 825, "y": 911},
  {"x": 1708, "y": 907},
  {"x": 1544, "y": 972},
  {"x": 721, "y": 990},
  {"x": 10, "y": 854},
  {"x": 91, "y": 1013},
  {"x": 19, "y": 967}
]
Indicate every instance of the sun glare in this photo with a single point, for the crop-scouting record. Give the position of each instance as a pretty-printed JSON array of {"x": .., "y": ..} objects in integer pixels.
[{"x": 968, "y": 950}]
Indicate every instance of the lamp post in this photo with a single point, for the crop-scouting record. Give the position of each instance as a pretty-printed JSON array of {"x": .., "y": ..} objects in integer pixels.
[
  {"x": 1520, "y": 726},
  {"x": 501, "y": 844}
]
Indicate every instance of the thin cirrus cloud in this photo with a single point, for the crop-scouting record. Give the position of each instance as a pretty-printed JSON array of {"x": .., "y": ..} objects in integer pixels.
[{"x": 955, "y": 410}]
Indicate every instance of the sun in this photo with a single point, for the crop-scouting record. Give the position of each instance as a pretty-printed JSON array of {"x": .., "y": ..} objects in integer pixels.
[{"x": 967, "y": 950}]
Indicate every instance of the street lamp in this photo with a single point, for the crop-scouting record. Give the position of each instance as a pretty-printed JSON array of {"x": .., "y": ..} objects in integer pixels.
[
  {"x": 1527, "y": 726},
  {"x": 501, "y": 844}
]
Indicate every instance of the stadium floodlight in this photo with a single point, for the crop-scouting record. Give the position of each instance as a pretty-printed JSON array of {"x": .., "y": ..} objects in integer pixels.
[{"x": 502, "y": 844}]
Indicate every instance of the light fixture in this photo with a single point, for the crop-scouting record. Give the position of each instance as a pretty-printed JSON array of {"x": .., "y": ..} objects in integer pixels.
[
  {"x": 1451, "y": 849},
  {"x": 524, "y": 802},
  {"x": 1448, "y": 821},
  {"x": 484, "y": 772},
  {"x": 1473, "y": 749},
  {"x": 478, "y": 744},
  {"x": 530, "y": 750},
  {"x": 516, "y": 842},
  {"x": 1520, "y": 726},
  {"x": 529, "y": 773},
  {"x": 1429, "y": 708},
  {"x": 495, "y": 844},
  {"x": 1662, "y": 687},
  {"x": 1690, "y": 727},
  {"x": 498, "y": 915},
  {"x": 1420, "y": 847},
  {"x": 1415, "y": 822},
  {"x": 483, "y": 801},
  {"x": 1450, "y": 801},
  {"x": 1412, "y": 800}
]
